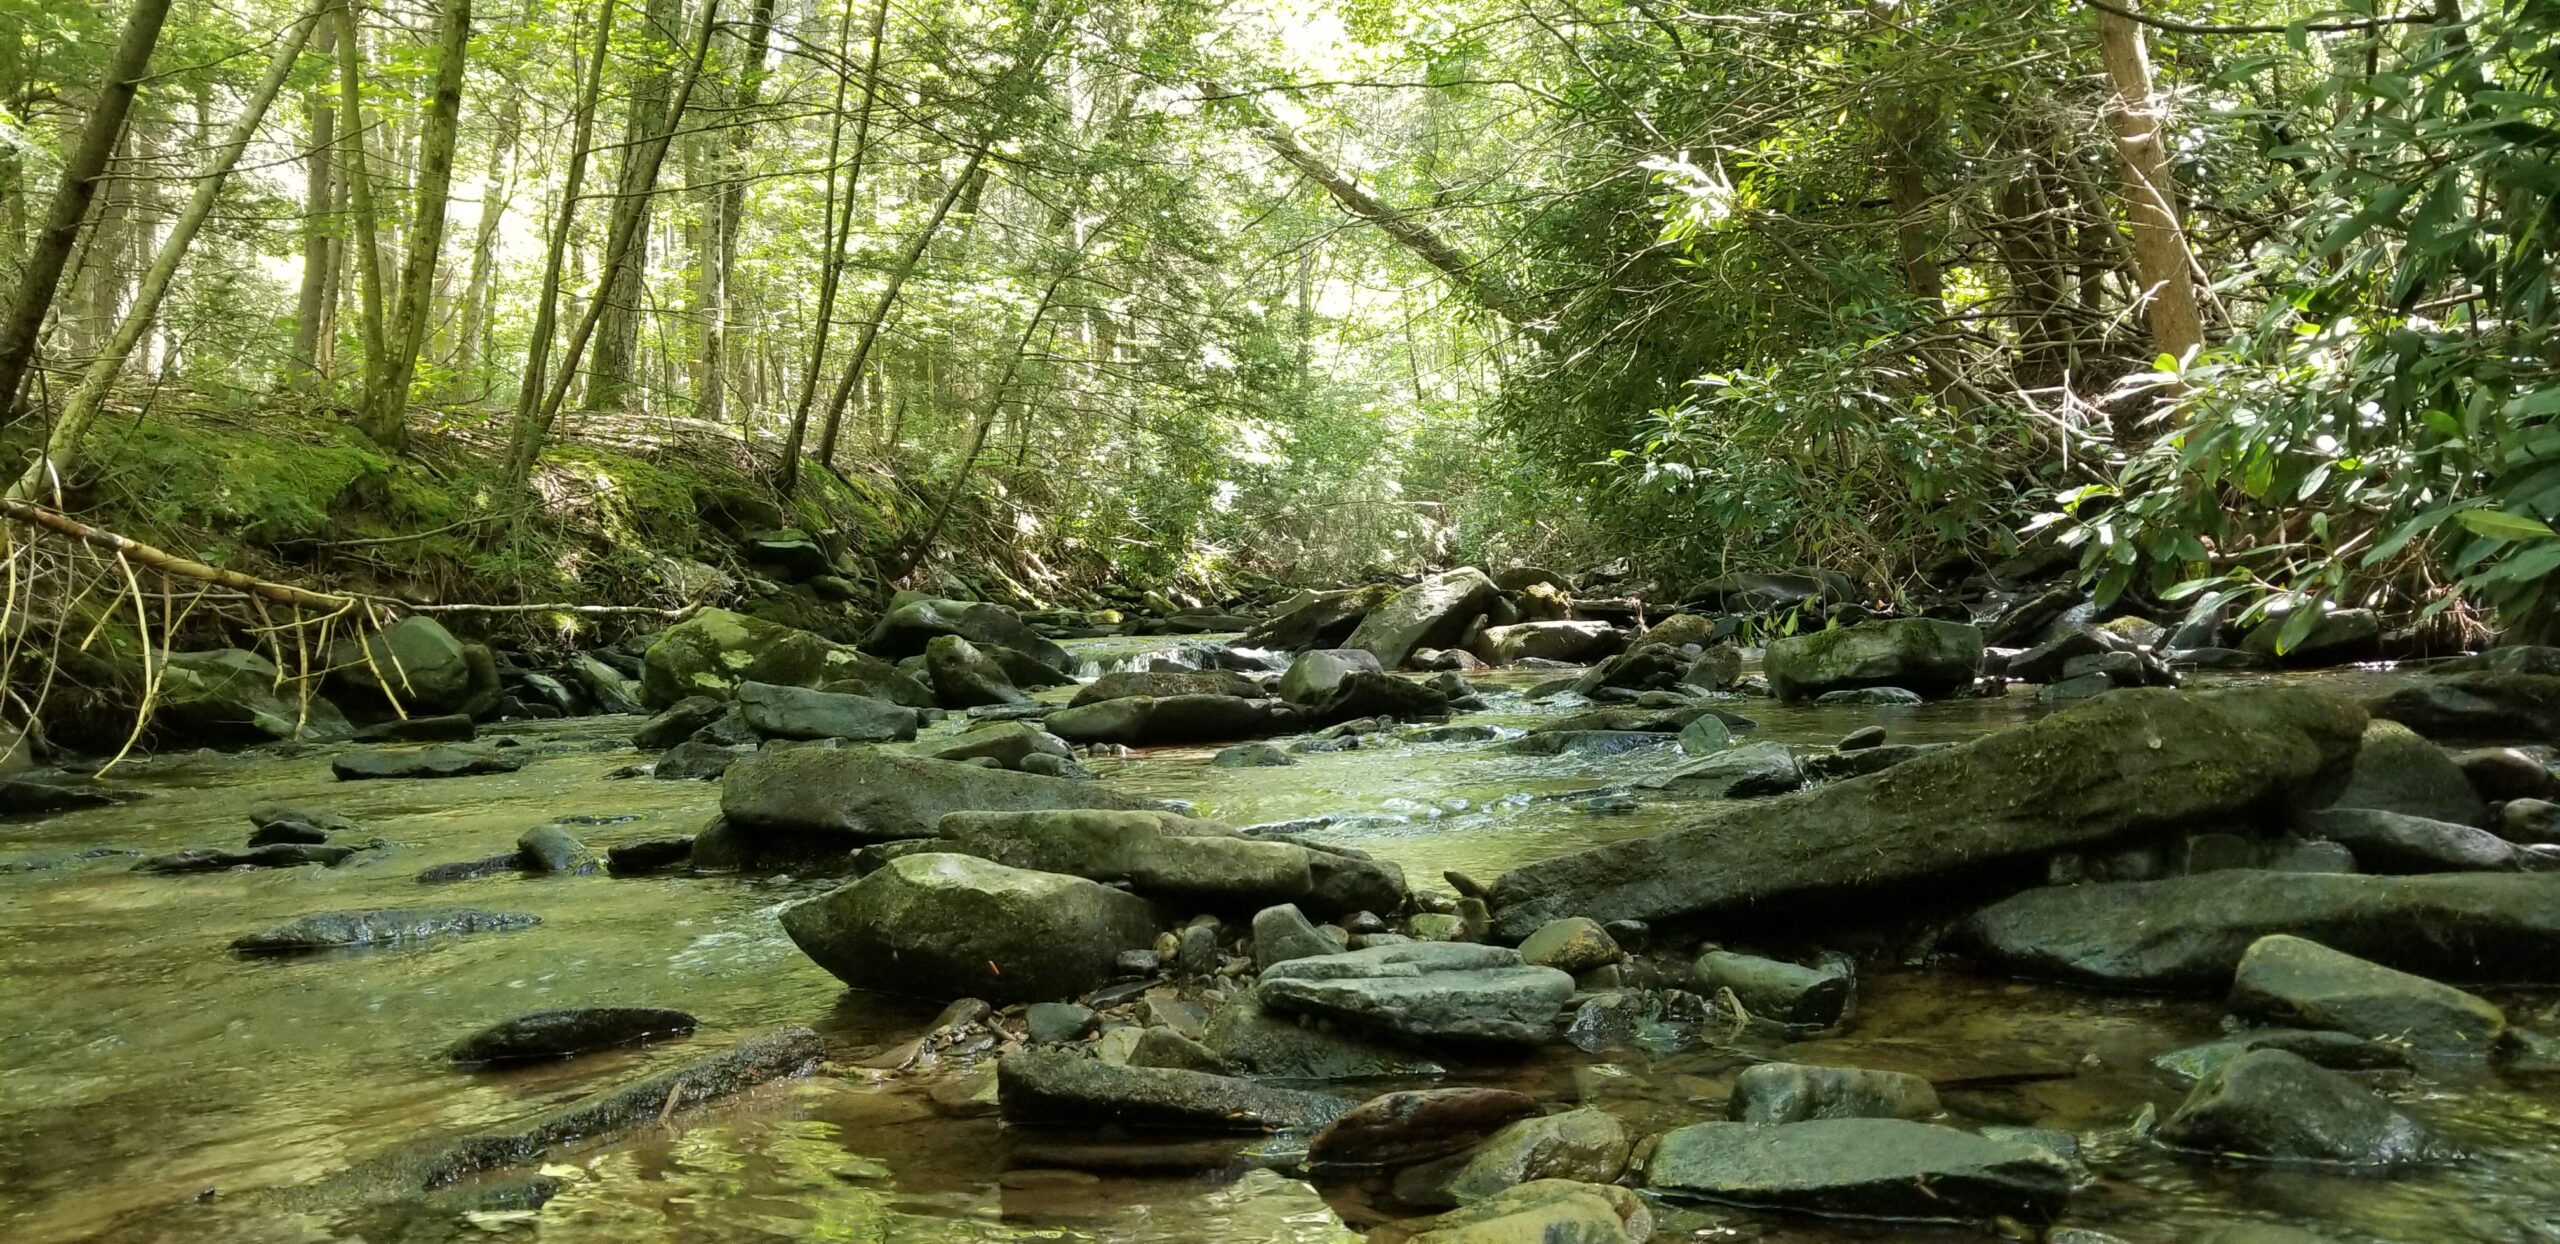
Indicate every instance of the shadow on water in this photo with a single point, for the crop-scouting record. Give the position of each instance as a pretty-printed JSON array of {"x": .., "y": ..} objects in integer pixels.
[{"x": 155, "y": 1087}]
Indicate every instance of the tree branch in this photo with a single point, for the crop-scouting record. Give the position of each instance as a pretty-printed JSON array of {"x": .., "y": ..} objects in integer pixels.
[{"x": 2204, "y": 28}]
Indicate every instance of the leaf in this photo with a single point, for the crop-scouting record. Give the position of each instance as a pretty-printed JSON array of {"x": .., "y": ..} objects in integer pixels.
[
  {"x": 2297, "y": 626},
  {"x": 2501, "y": 525}
]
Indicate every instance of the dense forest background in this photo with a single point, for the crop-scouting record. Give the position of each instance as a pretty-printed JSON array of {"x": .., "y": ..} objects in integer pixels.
[{"x": 2251, "y": 303}]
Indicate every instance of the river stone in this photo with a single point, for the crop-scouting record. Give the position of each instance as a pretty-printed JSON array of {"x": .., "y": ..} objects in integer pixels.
[
  {"x": 2486, "y": 707},
  {"x": 2389, "y": 842},
  {"x": 1873, "y": 697},
  {"x": 2271, "y": 1104},
  {"x": 1922, "y": 655},
  {"x": 1059, "y": 1087},
  {"x": 2338, "y": 1051},
  {"x": 1869, "y": 1168},
  {"x": 648, "y": 855},
  {"x": 852, "y": 796},
  {"x": 2190, "y": 932},
  {"x": 2396, "y": 771},
  {"x": 1252, "y": 756},
  {"x": 1157, "y": 684},
  {"x": 1424, "y": 991},
  {"x": 780, "y": 712},
  {"x": 964, "y": 677},
  {"x": 552, "y": 849},
  {"x": 1573, "y": 945},
  {"x": 2340, "y": 636},
  {"x": 1416, "y": 1126},
  {"x": 1315, "y": 619},
  {"x": 2507, "y": 773},
  {"x": 447, "y": 728},
  {"x": 1793, "y": 1093},
  {"x": 2528, "y": 821},
  {"x": 954, "y": 926},
  {"x": 1154, "y": 853},
  {"x": 1588, "y": 1145},
  {"x": 1431, "y": 614},
  {"x": 1315, "y": 676},
  {"x": 282, "y": 830},
  {"x": 567, "y": 1032},
  {"x": 910, "y": 627},
  {"x": 1545, "y": 1211},
  {"x": 604, "y": 684},
  {"x": 1705, "y": 736},
  {"x": 693, "y": 761},
  {"x": 387, "y": 927},
  {"x": 1865, "y": 760},
  {"x": 271, "y": 855},
  {"x": 1252, "y": 1039},
  {"x": 423, "y": 762},
  {"x": 1282, "y": 933},
  {"x": 1574, "y": 643},
  {"x": 1751, "y": 771},
  {"x": 1585, "y": 742},
  {"x": 713, "y": 651},
  {"x": 427, "y": 669},
  {"x": 2287, "y": 980},
  {"x": 2130, "y": 761},
  {"x": 1141, "y": 721},
  {"x": 234, "y": 695},
  {"x": 678, "y": 722},
  {"x": 1008, "y": 743}
]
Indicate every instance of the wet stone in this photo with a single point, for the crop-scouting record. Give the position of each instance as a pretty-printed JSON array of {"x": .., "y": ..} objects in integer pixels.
[
  {"x": 1861, "y": 738},
  {"x": 1057, "y": 1023},
  {"x": 567, "y": 1032},
  {"x": 1879, "y": 1168},
  {"x": 386, "y": 927},
  {"x": 2338, "y": 1051},
  {"x": 1588, "y": 1145},
  {"x": 471, "y": 870},
  {"x": 648, "y": 855},
  {"x": 216, "y": 859},
  {"x": 1159, "y": 1046},
  {"x": 2273, "y": 1105},
  {"x": 1416, "y": 1126},
  {"x": 1782, "y": 992},
  {"x": 1575, "y": 944},
  {"x": 552, "y": 849},
  {"x": 424, "y": 762},
  {"x": 2292, "y": 981},
  {"x": 1794, "y": 1093}
]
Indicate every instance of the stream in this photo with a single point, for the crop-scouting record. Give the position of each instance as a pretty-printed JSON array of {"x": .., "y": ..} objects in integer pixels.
[{"x": 154, "y": 1086}]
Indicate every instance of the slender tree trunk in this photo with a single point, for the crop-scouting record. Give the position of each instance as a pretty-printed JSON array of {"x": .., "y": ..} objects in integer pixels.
[
  {"x": 524, "y": 444},
  {"x": 617, "y": 356},
  {"x": 365, "y": 237},
  {"x": 728, "y": 207},
  {"x": 386, "y": 405},
  {"x": 993, "y": 405},
  {"x": 82, "y": 409},
  {"x": 477, "y": 294},
  {"x": 310, "y": 307},
  {"x": 2162, "y": 260},
  {"x": 839, "y": 230},
  {"x": 83, "y": 167}
]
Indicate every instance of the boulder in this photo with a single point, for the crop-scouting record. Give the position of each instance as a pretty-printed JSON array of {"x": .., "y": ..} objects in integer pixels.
[
  {"x": 236, "y": 696},
  {"x": 1573, "y": 945},
  {"x": 1314, "y": 677},
  {"x": 964, "y": 677},
  {"x": 1589, "y": 1145},
  {"x": 1056, "y": 1087},
  {"x": 1430, "y": 614},
  {"x": 421, "y": 762},
  {"x": 2190, "y": 932},
  {"x": 424, "y": 668},
  {"x": 1750, "y": 771},
  {"x": 2274, "y": 1105},
  {"x": 1719, "y": 668},
  {"x": 2126, "y": 763},
  {"x": 1320, "y": 620},
  {"x": 449, "y": 728},
  {"x": 2340, "y": 636},
  {"x": 2388, "y": 842},
  {"x": 1401, "y": 1128},
  {"x": 1923, "y": 655},
  {"x": 2498, "y": 773},
  {"x": 1758, "y": 592},
  {"x": 677, "y": 722},
  {"x": 692, "y": 761},
  {"x": 266, "y": 855},
  {"x": 1008, "y": 743},
  {"x": 1120, "y": 684},
  {"x": 1793, "y": 1093},
  {"x": 553, "y": 849},
  {"x": 2396, "y": 771},
  {"x": 1544, "y": 1211},
  {"x": 1867, "y": 1168},
  {"x": 2288, "y": 980},
  {"x": 1246, "y": 1036},
  {"x": 1252, "y": 756},
  {"x": 2486, "y": 707},
  {"x": 2338, "y": 1051},
  {"x": 912, "y": 624},
  {"x": 603, "y": 684},
  {"x": 1155, "y": 853},
  {"x": 1363, "y": 694},
  {"x": 1574, "y": 643},
  {"x": 344, "y": 930},
  {"x": 780, "y": 712},
  {"x": 1281, "y": 932},
  {"x": 1682, "y": 629},
  {"x": 713, "y": 651},
  {"x": 1424, "y": 991},
  {"x": 852, "y": 796},
  {"x": 568, "y": 1032},
  {"x": 1781, "y": 992},
  {"x": 1144, "y": 721},
  {"x": 955, "y": 926}
]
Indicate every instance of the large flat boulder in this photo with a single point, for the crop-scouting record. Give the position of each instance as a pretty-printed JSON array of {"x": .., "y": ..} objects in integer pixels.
[
  {"x": 914, "y": 623},
  {"x": 1061, "y": 1088},
  {"x": 2287, "y": 980},
  {"x": 1163, "y": 855},
  {"x": 2189, "y": 933},
  {"x": 1158, "y": 684},
  {"x": 1423, "y": 991},
  {"x": 1316, "y": 619},
  {"x": 1926, "y": 656},
  {"x": 2118, "y": 766},
  {"x": 1866, "y": 1168},
  {"x": 2390, "y": 842},
  {"x": 955, "y": 926},
  {"x": 2279, "y": 1106},
  {"x": 2486, "y": 706},
  {"x": 713, "y": 651},
  {"x": 779, "y": 712},
  {"x": 1430, "y": 614},
  {"x": 1575, "y": 643},
  {"x": 860, "y": 795},
  {"x": 1149, "y": 721}
]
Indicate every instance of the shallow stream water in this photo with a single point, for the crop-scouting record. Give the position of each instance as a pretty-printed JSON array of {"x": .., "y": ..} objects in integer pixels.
[{"x": 155, "y": 1087}]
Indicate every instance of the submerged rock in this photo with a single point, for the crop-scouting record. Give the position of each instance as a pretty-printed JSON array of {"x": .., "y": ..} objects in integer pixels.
[
  {"x": 271, "y": 855},
  {"x": 2338, "y": 1051},
  {"x": 952, "y": 926},
  {"x": 1058, "y": 1087},
  {"x": 424, "y": 762},
  {"x": 1416, "y": 1126},
  {"x": 2274, "y": 1105},
  {"x": 567, "y": 1032},
  {"x": 1545, "y": 1211},
  {"x": 1868, "y": 1168},
  {"x": 1143, "y": 721},
  {"x": 2124, "y": 763},
  {"x": 1252, "y": 1039},
  {"x": 1793, "y": 1093},
  {"x": 1425, "y": 991},
  {"x": 1588, "y": 1145},
  {"x": 2288, "y": 980},
  {"x": 387, "y": 927},
  {"x": 2190, "y": 932}
]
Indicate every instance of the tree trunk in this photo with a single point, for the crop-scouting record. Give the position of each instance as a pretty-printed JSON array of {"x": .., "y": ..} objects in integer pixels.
[
  {"x": 2162, "y": 261},
  {"x": 64, "y": 443},
  {"x": 993, "y": 405},
  {"x": 524, "y": 443},
  {"x": 386, "y": 405},
  {"x": 478, "y": 293},
  {"x": 839, "y": 229},
  {"x": 618, "y": 335},
  {"x": 728, "y": 214},
  {"x": 364, "y": 237},
  {"x": 310, "y": 307},
  {"x": 83, "y": 166}
]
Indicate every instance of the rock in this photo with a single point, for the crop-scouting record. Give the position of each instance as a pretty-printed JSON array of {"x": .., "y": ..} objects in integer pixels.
[
  {"x": 426, "y": 669},
  {"x": 964, "y": 677},
  {"x": 1008, "y": 743},
  {"x": 1585, "y": 742},
  {"x": 2528, "y": 821},
  {"x": 1574, "y": 643},
  {"x": 2487, "y": 706},
  {"x": 648, "y": 855},
  {"x": 1154, "y": 853},
  {"x": 552, "y": 849},
  {"x": 1159, "y": 1046},
  {"x": 236, "y": 696},
  {"x": 1883, "y": 697},
  {"x": 1861, "y": 738},
  {"x": 1252, "y": 756},
  {"x": 2396, "y": 771},
  {"x": 678, "y": 722},
  {"x": 2271, "y": 1104},
  {"x": 1751, "y": 771},
  {"x": 851, "y": 796},
  {"x": 1868, "y": 1168},
  {"x": 1157, "y": 684},
  {"x": 1782, "y": 992},
  {"x": 387, "y": 927},
  {"x": 1793, "y": 1093},
  {"x": 611, "y": 691},
  {"x": 271, "y": 855},
  {"x": 950, "y": 926},
  {"x": 281, "y": 831},
  {"x": 779, "y": 712},
  {"x": 1255, "y": 1040},
  {"x": 568, "y": 1032},
  {"x": 1057, "y": 1023},
  {"x": 1865, "y": 760},
  {"x": 692, "y": 761},
  {"x": 1586, "y": 1145},
  {"x": 2339, "y": 637},
  {"x": 2127, "y": 762},
  {"x": 1315, "y": 620},
  {"x": 1545, "y": 1211},
  {"x": 2287, "y": 980},
  {"x": 912, "y": 624},
  {"x": 449, "y": 728},
  {"x": 1282, "y": 933},
  {"x": 424, "y": 762},
  {"x": 1401, "y": 1128},
  {"x": 2048, "y": 662},
  {"x": 2338, "y": 1051},
  {"x": 1707, "y": 735},
  {"x": 1138, "y": 721},
  {"x": 1060, "y": 1088},
  {"x": 2388, "y": 842},
  {"x": 1719, "y": 668},
  {"x": 1926, "y": 656},
  {"x": 1315, "y": 676},
  {"x": 2190, "y": 932},
  {"x": 713, "y": 651},
  {"x": 1424, "y": 991},
  {"x": 1755, "y": 592},
  {"x": 2507, "y": 773},
  {"x": 1430, "y": 614},
  {"x": 1573, "y": 945}
]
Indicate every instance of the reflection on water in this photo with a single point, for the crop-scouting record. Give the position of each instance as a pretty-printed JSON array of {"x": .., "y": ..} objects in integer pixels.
[{"x": 152, "y": 1085}]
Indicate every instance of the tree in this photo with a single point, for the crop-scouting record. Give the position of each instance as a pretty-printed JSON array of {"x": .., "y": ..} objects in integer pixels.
[
  {"x": 617, "y": 356},
  {"x": 2162, "y": 260},
  {"x": 384, "y": 416}
]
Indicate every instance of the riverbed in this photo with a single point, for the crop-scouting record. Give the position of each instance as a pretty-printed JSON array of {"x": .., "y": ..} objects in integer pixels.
[{"x": 153, "y": 1086}]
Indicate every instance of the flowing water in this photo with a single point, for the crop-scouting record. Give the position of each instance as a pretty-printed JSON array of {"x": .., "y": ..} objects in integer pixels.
[{"x": 155, "y": 1087}]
